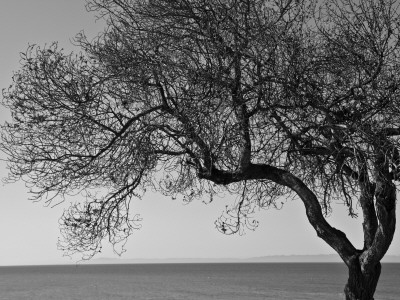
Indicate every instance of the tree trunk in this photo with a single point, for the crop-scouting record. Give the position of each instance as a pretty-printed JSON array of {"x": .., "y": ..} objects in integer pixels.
[{"x": 361, "y": 284}]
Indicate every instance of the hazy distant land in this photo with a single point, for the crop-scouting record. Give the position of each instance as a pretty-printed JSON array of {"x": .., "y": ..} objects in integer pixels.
[{"x": 264, "y": 259}]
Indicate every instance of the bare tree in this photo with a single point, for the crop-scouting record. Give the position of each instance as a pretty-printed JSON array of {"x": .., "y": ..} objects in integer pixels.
[{"x": 261, "y": 99}]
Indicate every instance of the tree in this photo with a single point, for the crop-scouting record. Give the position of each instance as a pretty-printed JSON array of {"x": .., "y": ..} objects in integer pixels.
[{"x": 260, "y": 99}]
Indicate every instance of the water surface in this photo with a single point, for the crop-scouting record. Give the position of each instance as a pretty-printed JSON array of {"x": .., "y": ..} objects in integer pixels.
[{"x": 253, "y": 281}]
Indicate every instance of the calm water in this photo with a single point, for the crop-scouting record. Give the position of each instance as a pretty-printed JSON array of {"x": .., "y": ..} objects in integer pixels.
[{"x": 186, "y": 281}]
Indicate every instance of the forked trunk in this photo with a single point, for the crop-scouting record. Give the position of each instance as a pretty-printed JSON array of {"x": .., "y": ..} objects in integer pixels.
[
  {"x": 378, "y": 201},
  {"x": 361, "y": 285}
]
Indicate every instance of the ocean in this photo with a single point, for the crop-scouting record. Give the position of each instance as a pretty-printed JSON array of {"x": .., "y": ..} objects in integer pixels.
[{"x": 228, "y": 281}]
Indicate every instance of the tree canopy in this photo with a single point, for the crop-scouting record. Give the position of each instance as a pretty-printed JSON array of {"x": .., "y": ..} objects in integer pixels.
[{"x": 192, "y": 98}]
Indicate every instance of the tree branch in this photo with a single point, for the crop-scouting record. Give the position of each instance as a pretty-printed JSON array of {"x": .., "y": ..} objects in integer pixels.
[
  {"x": 385, "y": 196},
  {"x": 334, "y": 237},
  {"x": 125, "y": 128}
]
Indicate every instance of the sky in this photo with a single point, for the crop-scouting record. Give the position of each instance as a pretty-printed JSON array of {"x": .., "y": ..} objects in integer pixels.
[{"x": 170, "y": 229}]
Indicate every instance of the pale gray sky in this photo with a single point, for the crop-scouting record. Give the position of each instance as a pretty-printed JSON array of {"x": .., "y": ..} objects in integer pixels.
[{"x": 170, "y": 229}]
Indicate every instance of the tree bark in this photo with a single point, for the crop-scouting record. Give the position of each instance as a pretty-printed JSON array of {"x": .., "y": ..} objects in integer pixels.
[
  {"x": 379, "y": 221},
  {"x": 332, "y": 236},
  {"x": 362, "y": 282}
]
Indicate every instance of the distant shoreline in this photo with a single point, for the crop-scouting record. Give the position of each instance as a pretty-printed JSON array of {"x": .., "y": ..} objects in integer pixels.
[{"x": 329, "y": 258}]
